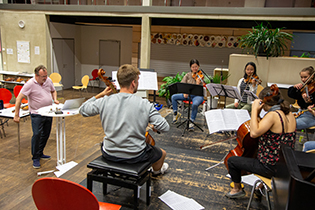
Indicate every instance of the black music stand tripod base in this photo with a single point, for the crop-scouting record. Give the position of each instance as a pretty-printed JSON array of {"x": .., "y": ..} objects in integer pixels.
[{"x": 187, "y": 121}]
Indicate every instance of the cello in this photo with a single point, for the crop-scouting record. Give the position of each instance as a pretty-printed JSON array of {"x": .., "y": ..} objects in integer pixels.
[
  {"x": 148, "y": 138},
  {"x": 246, "y": 147}
]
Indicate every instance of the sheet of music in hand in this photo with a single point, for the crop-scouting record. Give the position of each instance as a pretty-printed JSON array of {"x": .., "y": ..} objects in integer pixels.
[{"x": 225, "y": 119}]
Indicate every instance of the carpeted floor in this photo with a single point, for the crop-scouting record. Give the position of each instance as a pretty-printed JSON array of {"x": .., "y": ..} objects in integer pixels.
[{"x": 186, "y": 174}]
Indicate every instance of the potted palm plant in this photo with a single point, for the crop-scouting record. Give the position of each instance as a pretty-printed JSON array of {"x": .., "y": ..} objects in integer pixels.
[{"x": 263, "y": 41}]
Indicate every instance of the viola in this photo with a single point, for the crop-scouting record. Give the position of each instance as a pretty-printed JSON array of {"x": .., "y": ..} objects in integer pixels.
[
  {"x": 246, "y": 147},
  {"x": 101, "y": 74}
]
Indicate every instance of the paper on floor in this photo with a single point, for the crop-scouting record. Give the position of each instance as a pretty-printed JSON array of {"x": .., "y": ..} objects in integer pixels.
[
  {"x": 64, "y": 168},
  {"x": 179, "y": 202}
]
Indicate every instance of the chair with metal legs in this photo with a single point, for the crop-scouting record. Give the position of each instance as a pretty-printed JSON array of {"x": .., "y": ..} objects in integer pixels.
[{"x": 266, "y": 182}]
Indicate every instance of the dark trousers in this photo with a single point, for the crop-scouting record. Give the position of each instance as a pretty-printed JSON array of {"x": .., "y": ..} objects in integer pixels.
[
  {"x": 237, "y": 164},
  {"x": 41, "y": 127}
]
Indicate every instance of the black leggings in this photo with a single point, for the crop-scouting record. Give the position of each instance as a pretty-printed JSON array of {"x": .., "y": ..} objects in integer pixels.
[{"x": 237, "y": 164}]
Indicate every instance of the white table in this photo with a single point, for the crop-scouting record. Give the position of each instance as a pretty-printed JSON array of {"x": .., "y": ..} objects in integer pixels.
[
  {"x": 49, "y": 111},
  {"x": 9, "y": 113}
]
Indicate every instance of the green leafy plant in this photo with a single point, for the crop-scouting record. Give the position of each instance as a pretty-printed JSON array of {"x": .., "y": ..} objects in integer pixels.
[
  {"x": 164, "y": 91},
  {"x": 265, "y": 41},
  {"x": 217, "y": 78}
]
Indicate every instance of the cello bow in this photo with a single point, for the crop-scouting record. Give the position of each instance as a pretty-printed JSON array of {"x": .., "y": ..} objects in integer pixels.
[{"x": 213, "y": 143}]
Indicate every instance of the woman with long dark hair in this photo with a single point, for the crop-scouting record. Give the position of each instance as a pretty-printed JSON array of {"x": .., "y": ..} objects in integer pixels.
[
  {"x": 247, "y": 82},
  {"x": 277, "y": 127},
  {"x": 196, "y": 100}
]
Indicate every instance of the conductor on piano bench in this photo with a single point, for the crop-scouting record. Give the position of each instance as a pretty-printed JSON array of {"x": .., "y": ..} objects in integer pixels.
[{"x": 124, "y": 118}]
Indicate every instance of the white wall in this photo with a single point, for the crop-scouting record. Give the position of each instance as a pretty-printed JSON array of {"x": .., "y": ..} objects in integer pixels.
[
  {"x": 87, "y": 44},
  {"x": 91, "y": 35},
  {"x": 171, "y": 59},
  {"x": 283, "y": 70}
]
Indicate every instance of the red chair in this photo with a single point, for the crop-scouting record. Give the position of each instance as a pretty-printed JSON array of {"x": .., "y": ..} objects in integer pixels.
[
  {"x": 95, "y": 76},
  {"x": 6, "y": 96},
  {"x": 16, "y": 91},
  {"x": 50, "y": 193}
]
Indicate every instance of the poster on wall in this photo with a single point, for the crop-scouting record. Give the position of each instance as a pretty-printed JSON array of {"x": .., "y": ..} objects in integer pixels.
[{"x": 23, "y": 51}]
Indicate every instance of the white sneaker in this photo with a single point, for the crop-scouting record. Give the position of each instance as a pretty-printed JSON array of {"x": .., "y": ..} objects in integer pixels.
[
  {"x": 191, "y": 126},
  {"x": 162, "y": 170},
  {"x": 176, "y": 117}
]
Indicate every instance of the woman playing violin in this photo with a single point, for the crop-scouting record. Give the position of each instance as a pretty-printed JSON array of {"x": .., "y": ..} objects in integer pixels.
[
  {"x": 275, "y": 128},
  {"x": 248, "y": 82},
  {"x": 192, "y": 77},
  {"x": 304, "y": 93}
]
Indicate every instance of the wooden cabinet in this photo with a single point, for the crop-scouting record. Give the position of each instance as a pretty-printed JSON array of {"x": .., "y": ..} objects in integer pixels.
[{"x": 9, "y": 78}]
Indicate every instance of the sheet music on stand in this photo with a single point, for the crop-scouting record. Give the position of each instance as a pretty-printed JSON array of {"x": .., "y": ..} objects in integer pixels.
[
  {"x": 252, "y": 96},
  {"x": 225, "y": 119},
  {"x": 147, "y": 80},
  {"x": 224, "y": 90}
]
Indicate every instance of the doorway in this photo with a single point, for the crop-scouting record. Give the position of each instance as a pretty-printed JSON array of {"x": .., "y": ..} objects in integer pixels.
[
  {"x": 109, "y": 56},
  {"x": 63, "y": 60}
]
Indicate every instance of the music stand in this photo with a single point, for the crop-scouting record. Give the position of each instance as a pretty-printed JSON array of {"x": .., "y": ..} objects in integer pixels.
[
  {"x": 190, "y": 89},
  {"x": 224, "y": 90},
  {"x": 154, "y": 91},
  {"x": 227, "y": 91},
  {"x": 252, "y": 96}
]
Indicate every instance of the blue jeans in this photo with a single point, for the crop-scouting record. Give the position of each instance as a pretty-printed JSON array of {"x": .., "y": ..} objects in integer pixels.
[
  {"x": 196, "y": 101},
  {"x": 305, "y": 120},
  {"x": 309, "y": 145},
  {"x": 41, "y": 127}
]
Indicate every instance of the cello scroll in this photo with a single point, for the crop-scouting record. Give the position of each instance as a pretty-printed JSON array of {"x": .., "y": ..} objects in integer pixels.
[{"x": 106, "y": 80}]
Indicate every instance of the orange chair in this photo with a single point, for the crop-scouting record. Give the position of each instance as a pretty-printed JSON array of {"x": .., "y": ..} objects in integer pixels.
[
  {"x": 6, "y": 96},
  {"x": 50, "y": 193},
  {"x": 16, "y": 91}
]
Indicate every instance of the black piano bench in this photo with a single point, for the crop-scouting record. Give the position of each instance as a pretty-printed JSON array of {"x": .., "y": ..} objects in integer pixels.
[{"x": 131, "y": 176}]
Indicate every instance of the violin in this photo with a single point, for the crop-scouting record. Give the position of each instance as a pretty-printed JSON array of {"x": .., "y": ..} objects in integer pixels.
[
  {"x": 149, "y": 139},
  {"x": 106, "y": 80},
  {"x": 255, "y": 77},
  {"x": 197, "y": 75},
  {"x": 296, "y": 115},
  {"x": 246, "y": 147},
  {"x": 309, "y": 86}
]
